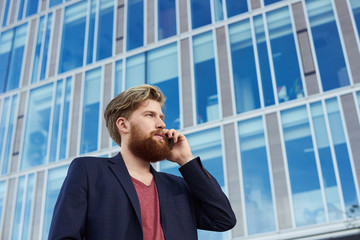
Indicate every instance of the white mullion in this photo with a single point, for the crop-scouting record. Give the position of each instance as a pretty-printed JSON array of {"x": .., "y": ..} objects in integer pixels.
[
  {"x": 23, "y": 204},
  {"x": 192, "y": 76},
  {"x": 70, "y": 123},
  {"x": 87, "y": 30},
  {"x": 51, "y": 121},
  {"x": 101, "y": 104},
  {"x": 47, "y": 69},
  {"x": 212, "y": 11},
  {"x": 7, "y": 120},
  {"x": 179, "y": 76},
  {"x": 61, "y": 114},
  {"x": 114, "y": 33},
  {"x": 217, "y": 74},
  {"x": 42, "y": 43},
  {"x": 81, "y": 111},
  {"x": 61, "y": 28},
  {"x": 156, "y": 20},
  {"x": 145, "y": 42}
]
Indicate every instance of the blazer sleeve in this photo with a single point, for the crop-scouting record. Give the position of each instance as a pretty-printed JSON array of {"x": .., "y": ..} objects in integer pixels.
[
  {"x": 212, "y": 208},
  {"x": 69, "y": 217}
]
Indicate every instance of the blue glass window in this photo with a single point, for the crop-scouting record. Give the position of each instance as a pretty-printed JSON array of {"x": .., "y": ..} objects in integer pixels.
[
  {"x": 284, "y": 56},
  {"x": 263, "y": 57},
  {"x": 21, "y": 10},
  {"x": 12, "y": 44},
  {"x": 54, "y": 3},
  {"x": 244, "y": 68},
  {"x": 23, "y": 204},
  {"x": 55, "y": 179},
  {"x": 37, "y": 127},
  {"x": 207, "y": 105},
  {"x": 268, "y": 2},
  {"x": 105, "y": 29},
  {"x": 135, "y": 24},
  {"x": 118, "y": 77},
  {"x": 256, "y": 177},
  {"x": 358, "y": 99},
  {"x": 91, "y": 32},
  {"x": 73, "y": 37},
  {"x": 32, "y": 7},
  {"x": 158, "y": 67},
  {"x": 326, "y": 162},
  {"x": 2, "y": 199},
  {"x": 329, "y": 54},
  {"x": 65, "y": 119},
  {"x": 235, "y": 7},
  {"x": 91, "y": 111},
  {"x": 40, "y": 35},
  {"x": 6, "y": 12},
  {"x": 166, "y": 18},
  {"x": 218, "y": 10},
  {"x": 355, "y": 5},
  {"x": 200, "y": 13},
  {"x": 304, "y": 178},
  {"x": 342, "y": 155},
  {"x": 7, "y": 122}
]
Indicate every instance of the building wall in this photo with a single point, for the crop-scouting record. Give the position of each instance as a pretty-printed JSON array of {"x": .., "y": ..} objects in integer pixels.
[{"x": 267, "y": 92}]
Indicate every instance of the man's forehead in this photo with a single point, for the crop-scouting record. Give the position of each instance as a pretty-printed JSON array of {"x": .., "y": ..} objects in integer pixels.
[{"x": 150, "y": 105}]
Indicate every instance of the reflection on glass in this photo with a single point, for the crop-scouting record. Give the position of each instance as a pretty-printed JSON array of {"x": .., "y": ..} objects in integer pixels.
[
  {"x": 256, "y": 177},
  {"x": 32, "y": 7},
  {"x": 284, "y": 55},
  {"x": 54, "y": 3},
  {"x": 36, "y": 61},
  {"x": 65, "y": 119},
  {"x": 55, "y": 179},
  {"x": 263, "y": 57},
  {"x": 200, "y": 13},
  {"x": 6, "y": 12},
  {"x": 327, "y": 167},
  {"x": 329, "y": 54},
  {"x": 218, "y": 10},
  {"x": 207, "y": 105},
  {"x": 135, "y": 24},
  {"x": 235, "y": 7},
  {"x": 118, "y": 77},
  {"x": 342, "y": 155},
  {"x": 37, "y": 127},
  {"x": 244, "y": 68},
  {"x": 302, "y": 166},
  {"x": 105, "y": 29},
  {"x": 90, "y": 111},
  {"x": 207, "y": 145},
  {"x": 73, "y": 37},
  {"x": 91, "y": 32},
  {"x": 28, "y": 206},
  {"x": 358, "y": 98},
  {"x": 268, "y": 2},
  {"x": 46, "y": 47},
  {"x": 9, "y": 109},
  {"x": 56, "y": 121},
  {"x": 355, "y": 5},
  {"x": 18, "y": 207},
  {"x": 2, "y": 199},
  {"x": 158, "y": 67},
  {"x": 12, "y": 45},
  {"x": 166, "y": 18}
]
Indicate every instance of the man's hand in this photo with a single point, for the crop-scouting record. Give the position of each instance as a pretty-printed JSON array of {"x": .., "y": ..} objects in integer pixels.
[{"x": 181, "y": 151}]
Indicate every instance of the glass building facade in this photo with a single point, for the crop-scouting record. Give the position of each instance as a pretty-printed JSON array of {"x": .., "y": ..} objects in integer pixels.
[{"x": 267, "y": 92}]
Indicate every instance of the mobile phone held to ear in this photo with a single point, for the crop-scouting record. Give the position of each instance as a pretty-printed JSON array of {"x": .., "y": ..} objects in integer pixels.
[{"x": 170, "y": 141}]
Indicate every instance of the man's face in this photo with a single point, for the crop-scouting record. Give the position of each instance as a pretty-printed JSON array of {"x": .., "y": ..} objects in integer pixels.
[{"x": 146, "y": 139}]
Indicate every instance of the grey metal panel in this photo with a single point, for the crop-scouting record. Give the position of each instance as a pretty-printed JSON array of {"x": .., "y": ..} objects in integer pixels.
[
  {"x": 8, "y": 209},
  {"x": 255, "y": 4},
  {"x": 106, "y": 99},
  {"x": 299, "y": 16},
  {"x": 150, "y": 22},
  {"x": 75, "y": 116},
  {"x": 183, "y": 16},
  {"x": 278, "y": 172},
  {"x": 43, "y": 5},
  {"x": 232, "y": 170},
  {"x": 186, "y": 83},
  {"x": 13, "y": 12},
  {"x": 29, "y": 53},
  {"x": 55, "y": 43},
  {"x": 306, "y": 53},
  {"x": 347, "y": 30},
  {"x": 38, "y": 202},
  {"x": 119, "y": 27},
  {"x": 225, "y": 84},
  {"x": 353, "y": 130},
  {"x": 312, "y": 85}
]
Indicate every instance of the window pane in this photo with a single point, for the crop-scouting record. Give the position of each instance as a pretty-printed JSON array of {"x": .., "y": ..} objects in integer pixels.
[
  {"x": 56, "y": 121},
  {"x": 135, "y": 24},
  {"x": 90, "y": 114},
  {"x": 235, "y": 7},
  {"x": 55, "y": 180},
  {"x": 118, "y": 77},
  {"x": 37, "y": 127},
  {"x": 65, "y": 119},
  {"x": 263, "y": 57},
  {"x": 326, "y": 162},
  {"x": 91, "y": 32},
  {"x": 166, "y": 18},
  {"x": 302, "y": 166},
  {"x": 36, "y": 62},
  {"x": 268, "y": 2},
  {"x": 18, "y": 208},
  {"x": 6, "y": 132},
  {"x": 2, "y": 199},
  {"x": 355, "y": 5},
  {"x": 218, "y": 10},
  {"x": 21, "y": 10},
  {"x": 73, "y": 37},
  {"x": 200, "y": 13},
  {"x": 32, "y": 6},
  {"x": 6, "y": 12},
  {"x": 244, "y": 69},
  {"x": 162, "y": 71},
  {"x": 54, "y": 3},
  {"x": 205, "y": 75},
  {"x": 285, "y": 59},
  {"x": 105, "y": 29},
  {"x": 46, "y": 47},
  {"x": 28, "y": 206},
  {"x": 256, "y": 177},
  {"x": 342, "y": 155},
  {"x": 327, "y": 44},
  {"x": 135, "y": 70}
]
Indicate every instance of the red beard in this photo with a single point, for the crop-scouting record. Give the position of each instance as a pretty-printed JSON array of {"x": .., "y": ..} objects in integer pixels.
[{"x": 147, "y": 148}]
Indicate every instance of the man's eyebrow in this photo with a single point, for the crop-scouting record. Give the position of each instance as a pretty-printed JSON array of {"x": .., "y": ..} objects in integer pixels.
[{"x": 153, "y": 112}]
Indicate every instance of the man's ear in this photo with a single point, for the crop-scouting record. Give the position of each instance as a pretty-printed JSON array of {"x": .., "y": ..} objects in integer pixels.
[{"x": 123, "y": 125}]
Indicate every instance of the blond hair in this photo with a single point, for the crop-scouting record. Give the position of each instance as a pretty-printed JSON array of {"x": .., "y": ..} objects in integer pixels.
[{"x": 124, "y": 104}]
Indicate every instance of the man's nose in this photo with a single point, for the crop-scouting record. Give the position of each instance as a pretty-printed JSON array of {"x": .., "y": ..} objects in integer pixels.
[{"x": 160, "y": 124}]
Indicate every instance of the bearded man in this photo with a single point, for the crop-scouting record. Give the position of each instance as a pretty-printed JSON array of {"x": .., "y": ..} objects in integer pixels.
[{"x": 124, "y": 197}]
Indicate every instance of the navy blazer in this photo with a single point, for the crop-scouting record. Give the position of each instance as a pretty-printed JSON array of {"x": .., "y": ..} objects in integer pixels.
[{"x": 98, "y": 201}]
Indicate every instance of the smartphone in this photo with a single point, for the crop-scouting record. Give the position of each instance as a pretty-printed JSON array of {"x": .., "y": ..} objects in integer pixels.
[{"x": 170, "y": 141}]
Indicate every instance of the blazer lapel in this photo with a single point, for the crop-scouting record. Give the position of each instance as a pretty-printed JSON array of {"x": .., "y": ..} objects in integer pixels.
[{"x": 118, "y": 167}]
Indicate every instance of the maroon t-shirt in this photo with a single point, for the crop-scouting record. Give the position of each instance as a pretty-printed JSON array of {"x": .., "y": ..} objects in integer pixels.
[{"x": 150, "y": 210}]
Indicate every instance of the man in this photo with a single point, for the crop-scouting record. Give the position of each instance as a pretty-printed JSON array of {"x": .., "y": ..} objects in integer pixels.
[{"x": 123, "y": 197}]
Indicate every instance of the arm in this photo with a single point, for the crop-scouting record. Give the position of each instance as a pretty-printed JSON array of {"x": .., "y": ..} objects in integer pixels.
[{"x": 69, "y": 215}]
